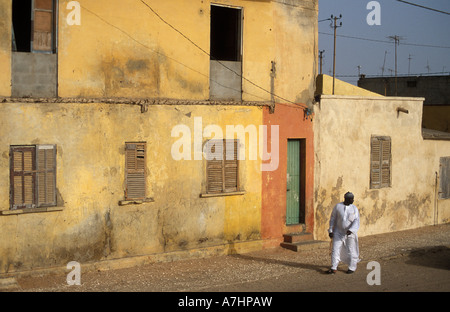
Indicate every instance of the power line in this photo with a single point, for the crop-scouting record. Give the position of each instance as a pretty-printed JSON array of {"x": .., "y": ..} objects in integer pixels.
[
  {"x": 385, "y": 41},
  {"x": 399, "y": 75},
  {"x": 425, "y": 45},
  {"x": 423, "y": 7}
]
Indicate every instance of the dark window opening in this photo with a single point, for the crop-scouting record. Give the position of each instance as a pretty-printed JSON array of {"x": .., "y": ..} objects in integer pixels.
[
  {"x": 21, "y": 14},
  {"x": 225, "y": 33},
  {"x": 411, "y": 84}
]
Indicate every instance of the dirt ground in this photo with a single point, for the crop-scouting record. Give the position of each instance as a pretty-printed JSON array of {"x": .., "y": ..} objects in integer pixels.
[{"x": 413, "y": 260}]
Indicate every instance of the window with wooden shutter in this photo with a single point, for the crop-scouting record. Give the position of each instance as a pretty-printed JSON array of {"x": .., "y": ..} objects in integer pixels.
[
  {"x": 32, "y": 176},
  {"x": 34, "y": 25},
  {"x": 22, "y": 163},
  {"x": 444, "y": 177},
  {"x": 135, "y": 170},
  {"x": 222, "y": 167},
  {"x": 43, "y": 25},
  {"x": 46, "y": 175},
  {"x": 380, "y": 162}
]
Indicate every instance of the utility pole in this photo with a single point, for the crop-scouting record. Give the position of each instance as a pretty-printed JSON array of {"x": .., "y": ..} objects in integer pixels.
[
  {"x": 396, "y": 42},
  {"x": 321, "y": 59},
  {"x": 384, "y": 63},
  {"x": 409, "y": 63},
  {"x": 335, "y": 26}
]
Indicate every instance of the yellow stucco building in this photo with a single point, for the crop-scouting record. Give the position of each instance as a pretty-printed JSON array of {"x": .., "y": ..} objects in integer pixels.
[{"x": 106, "y": 108}]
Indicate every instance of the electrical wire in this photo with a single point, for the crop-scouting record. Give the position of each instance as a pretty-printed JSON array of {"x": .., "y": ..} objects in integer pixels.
[
  {"x": 166, "y": 56},
  {"x": 423, "y": 7},
  {"x": 398, "y": 75},
  {"x": 385, "y": 41}
]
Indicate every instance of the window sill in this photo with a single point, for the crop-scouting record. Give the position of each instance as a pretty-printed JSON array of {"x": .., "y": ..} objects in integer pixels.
[
  {"x": 29, "y": 210},
  {"x": 206, "y": 195},
  {"x": 135, "y": 202}
]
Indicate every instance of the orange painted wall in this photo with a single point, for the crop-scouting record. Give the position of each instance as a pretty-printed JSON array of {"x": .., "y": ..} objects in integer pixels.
[{"x": 293, "y": 124}]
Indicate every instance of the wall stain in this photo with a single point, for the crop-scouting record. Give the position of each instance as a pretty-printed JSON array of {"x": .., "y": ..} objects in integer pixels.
[
  {"x": 122, "y": 73},
  {"x": 336, "y": 195}
]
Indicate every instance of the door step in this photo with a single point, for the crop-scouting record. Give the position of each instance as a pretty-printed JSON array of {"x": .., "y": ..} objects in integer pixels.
[{"x": 302, "y": 242}]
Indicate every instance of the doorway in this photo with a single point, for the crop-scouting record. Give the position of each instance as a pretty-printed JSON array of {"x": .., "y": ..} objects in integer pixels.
[{"x": 295, "y": 182}]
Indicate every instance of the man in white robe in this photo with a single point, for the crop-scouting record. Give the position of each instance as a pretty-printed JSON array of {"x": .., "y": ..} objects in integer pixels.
[{"x": 344, "y": 225}]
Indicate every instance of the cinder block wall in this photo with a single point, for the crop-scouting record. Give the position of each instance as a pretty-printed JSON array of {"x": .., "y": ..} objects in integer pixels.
[{"x": 33, "y": 75}]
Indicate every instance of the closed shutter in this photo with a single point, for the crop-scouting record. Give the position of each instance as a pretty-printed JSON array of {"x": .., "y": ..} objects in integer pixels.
[
  {"x": 22, "y": 177},
  {"x": 46, "y": 175},
  {"x": 231, "y": 166},
  {"x": 380, "y": 162},
  {"x": 223, "y": 170},
  {"x": 444, "y": 177},
  {"x": 43, "y": 25},
  {"x": 385, "y": 163},
  {"x": 375, "y": 170},
  {"x": 214, "y": 167},
  {"x": 135, "y": 165}
]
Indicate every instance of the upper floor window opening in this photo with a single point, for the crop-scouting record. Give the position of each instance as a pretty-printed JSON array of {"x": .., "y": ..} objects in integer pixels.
[{"x": 34, "y": 26}]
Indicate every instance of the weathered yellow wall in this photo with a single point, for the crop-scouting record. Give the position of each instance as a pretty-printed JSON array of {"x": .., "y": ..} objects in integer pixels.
[
  {"x": 343, "y": 127},
  {"x": 324, "y": 85},
  {"x": 5, "y": 47},
  {"x": 120, "y": 48},
  {"x": 141, "y": 52},
  {"x": 296, "y": 44},
  {"x": 90, "y": 142},
  {"x": 123, "y": 50}
]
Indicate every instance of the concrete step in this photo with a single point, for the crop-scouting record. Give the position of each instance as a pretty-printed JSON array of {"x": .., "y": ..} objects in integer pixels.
[
  {"x": 297, "y": 237},
  {"x": 306, "y": 245}
]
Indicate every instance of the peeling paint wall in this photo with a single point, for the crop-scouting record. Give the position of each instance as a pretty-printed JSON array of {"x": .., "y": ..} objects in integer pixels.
[
  {"x": 5, "y": 47},
  {"x": 90, "y": 182},
  {"x": 143, "y": 53},
  {"x": 343, "y": 128},
  {"x": 295, "y": 25},
  {"x": 119, "y": 48}
]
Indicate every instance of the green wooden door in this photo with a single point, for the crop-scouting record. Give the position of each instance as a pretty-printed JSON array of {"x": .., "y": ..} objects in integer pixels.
[{"x": 293, "y": 183}]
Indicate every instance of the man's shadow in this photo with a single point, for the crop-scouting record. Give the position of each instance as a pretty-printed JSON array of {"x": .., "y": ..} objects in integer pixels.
[{"x": 318, "y": 268}]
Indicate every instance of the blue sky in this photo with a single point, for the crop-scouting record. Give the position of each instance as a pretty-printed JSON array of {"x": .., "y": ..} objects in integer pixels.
[{"x": 413, "y": 24}]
